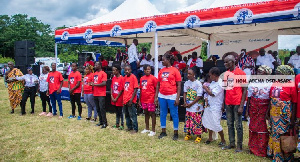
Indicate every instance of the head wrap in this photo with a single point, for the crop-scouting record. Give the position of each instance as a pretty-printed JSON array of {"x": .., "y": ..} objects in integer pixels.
[
  {"x": 285, "y": 70},
  {"x": 265, "y": 69}
]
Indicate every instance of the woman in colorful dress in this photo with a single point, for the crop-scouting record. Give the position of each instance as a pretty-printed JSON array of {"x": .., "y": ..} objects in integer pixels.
[
  {"x": 257, "y": 108},
  {"x": 15, "y": 88},
  {"x": 282, "y": 114}
]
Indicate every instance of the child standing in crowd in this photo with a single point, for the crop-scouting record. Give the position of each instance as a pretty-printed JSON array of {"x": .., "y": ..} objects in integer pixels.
[
  {"x": 43, "y": 88},
  {"x": 129, "y": 100},
  {"x": 206, "y": 83},
  {"x": 213, "y": 113},
  {"x": 148, "y": 87},
  {"x": 116, "y": 91},
  {"x": 168, "y": 93},
  {"x": 88, "y": 93},
  {"x": 99, "y": 91},
  {"x": 55, "y": 82},
  {"x": 74, "y": 85},
  {"x": 193, "y": 119}
]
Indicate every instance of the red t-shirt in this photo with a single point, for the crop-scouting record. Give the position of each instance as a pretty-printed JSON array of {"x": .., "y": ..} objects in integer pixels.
[
  {"x": 234, "y": 96},
  {"x": 130, "y": 83},
  {"x": 89, "y": 63},
  {"x": 168, "y": 78},
  {"x": 87, "y": 89},
  {"x": 297, "y": 81},
  {"x": 117, "y": 85},
  {"x": 193, "y": 63},
  {"x": 283, "y": 93},
  {"x": 104, "y": 63},
  {"x": 174, "y": 53},
  {"x": 99, "y": 77},
  {"x": 148, "y": 88},
  {"x": 74, "y": 78},
  {"x": 54, "y": 79},
  {"x": 179, "y": 65}
]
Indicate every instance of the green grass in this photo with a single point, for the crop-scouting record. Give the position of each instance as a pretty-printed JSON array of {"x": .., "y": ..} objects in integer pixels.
[{"x": 35, "y": 138}]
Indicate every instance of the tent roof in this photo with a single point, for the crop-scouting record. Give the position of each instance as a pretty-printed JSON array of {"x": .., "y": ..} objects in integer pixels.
[
  {"x": 129, "y": 9},
  {"x": 200, "y": 23}
]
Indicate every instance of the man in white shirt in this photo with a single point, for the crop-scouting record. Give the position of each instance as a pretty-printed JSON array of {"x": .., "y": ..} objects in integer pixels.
[
  {"x": 197, "y": 62},
  {"x": 133, "y": 56},
  {"x": 295, "y": 60},
  {"x": 145, "y": 61},
  {"x": 266, "y": 59}
]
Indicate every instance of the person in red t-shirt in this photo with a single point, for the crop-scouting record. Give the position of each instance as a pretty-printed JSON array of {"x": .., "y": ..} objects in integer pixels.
[
  {"x": 99, "y": 91},
  {"x": 168, "y": 93},
  {"x": 104, "y": 63},
  {"x": 129, "y": 100},
  {"x": 173, "y": 51},
  {"x": 74, "y": 84},
  {"x": 87, "y": 92},
  {"x": 55, "y": 82},
  {"x": 282, "y": 114},
  {"x": 148, "y": 87},
  {"x": 88, "y": 62},
  {"x": 116, "y": 91},
  {"x": 234, "y": 102}
]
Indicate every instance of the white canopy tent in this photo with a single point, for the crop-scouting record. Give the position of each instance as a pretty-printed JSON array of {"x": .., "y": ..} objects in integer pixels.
[{"x": 201, "y": 23}]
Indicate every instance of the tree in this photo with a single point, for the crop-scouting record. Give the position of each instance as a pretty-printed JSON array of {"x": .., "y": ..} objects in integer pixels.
[{"x": 21, "y": 27}]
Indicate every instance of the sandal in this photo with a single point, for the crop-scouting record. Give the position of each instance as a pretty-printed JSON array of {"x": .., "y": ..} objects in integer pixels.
[
  {"x": 198, "y": 140},
  {"x": 222, "y": 144},
  {"x": 208, "y": 142},
  {"x": 121, "y": 128},
  {"x": 187, "y": 137},
  {"x": 115, "y": 126}
]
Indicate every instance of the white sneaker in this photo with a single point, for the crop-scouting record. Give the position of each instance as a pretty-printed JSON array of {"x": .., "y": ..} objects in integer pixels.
[
  {"x": 145, "y": 131},
  {"x": 151, "y": 133}
]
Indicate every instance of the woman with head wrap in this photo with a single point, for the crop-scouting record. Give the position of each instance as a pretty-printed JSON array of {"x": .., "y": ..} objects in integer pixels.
[
  {"x": 15, "y": 87},
  {"x": 257, "y": 108},
  {"x": 282, "y": 114}
]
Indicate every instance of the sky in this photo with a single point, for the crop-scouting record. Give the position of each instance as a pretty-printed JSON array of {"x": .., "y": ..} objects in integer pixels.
[{"x": 74, "y": 12}]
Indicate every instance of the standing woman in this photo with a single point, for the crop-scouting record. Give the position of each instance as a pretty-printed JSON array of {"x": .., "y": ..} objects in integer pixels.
[
  {"x": 88, "y": 93},
  {"x": 167, "y": 93},
  {"x": 43, "y": 88},
  {"x": 15, "y": 87},
  {"x": 282, "y": 114},
  {"x": 257, "y": 108},
  {"x": 30, "y": 89}
]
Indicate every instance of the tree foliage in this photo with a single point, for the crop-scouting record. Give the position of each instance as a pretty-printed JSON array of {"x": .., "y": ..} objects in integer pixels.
[
  {"x": 21, "y": 27},
  {"x": 6, "y": 60}
]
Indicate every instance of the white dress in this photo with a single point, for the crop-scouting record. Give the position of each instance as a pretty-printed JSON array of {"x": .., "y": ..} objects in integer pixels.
[{"x": 212, "y": 115}]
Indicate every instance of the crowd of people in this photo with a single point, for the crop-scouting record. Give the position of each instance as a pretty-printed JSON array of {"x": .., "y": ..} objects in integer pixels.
[{"x": 204, "y": 102}]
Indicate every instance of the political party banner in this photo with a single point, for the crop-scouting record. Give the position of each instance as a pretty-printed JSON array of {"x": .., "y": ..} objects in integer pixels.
[
  {"x": 251, "y": 41},
  {"x": 185, "y": 45}
]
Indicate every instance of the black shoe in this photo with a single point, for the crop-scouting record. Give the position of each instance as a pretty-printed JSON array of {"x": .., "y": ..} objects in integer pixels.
[
  {"x": 162, "y": 134},
  {"x": 104, "y": 126},
  {"x": 175, "y": 137},
  {"x": 12, "y": 111},
  {"x": 88, "y": 118},
  {"x": 32, "y": 112},
  {"x": 228, "y": 147},
  {"x": 23, "y": 113},
  {"x": 99, "y": 124}
]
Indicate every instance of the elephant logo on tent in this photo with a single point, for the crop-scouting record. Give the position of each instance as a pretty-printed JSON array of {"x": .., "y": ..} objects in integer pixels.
[
  {"x": 297, "y": 13},
  {"x": 192, "y": 21},
  {"x": 243, "y": 16},
  {"x": 65, "y": 35},
  {"x": 116, "y": 31},
  {"x": 88, "y": 36},
  {"x": 150, "y": 26}
]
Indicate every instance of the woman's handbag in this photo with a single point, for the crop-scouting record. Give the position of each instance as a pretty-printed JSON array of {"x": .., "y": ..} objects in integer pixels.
[{"x": 289, "y": 143}]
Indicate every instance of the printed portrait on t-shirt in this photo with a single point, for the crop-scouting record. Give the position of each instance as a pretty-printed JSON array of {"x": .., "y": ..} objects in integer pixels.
[
  {"x": 72, "y": 80},
  {"x": 276, "y": 92},
  {"x": 230, "y": 82},
  {"x": 261, "y": 92},
  {"x": 51, "y": 79},
  {"x": 96, "y": 79},
  {"x": 115, "y": 88},
  {"x": 144, "y": 84},
  {"x": 85, "y": 80},
  {"x": 126, "y": 86},
  {"x": 165, "y": 76}
]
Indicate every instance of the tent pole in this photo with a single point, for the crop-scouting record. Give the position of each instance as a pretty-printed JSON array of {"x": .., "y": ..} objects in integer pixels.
[
  {"x": 56, "y": 53},
  {"x": 156, "y": 55}
]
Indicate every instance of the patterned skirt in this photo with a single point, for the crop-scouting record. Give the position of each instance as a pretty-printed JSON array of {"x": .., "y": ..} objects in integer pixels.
[
  {"x": 280, "y": 115},
  {"x": 258, "y": 131},
  {"x": 193, "y": 123}
]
